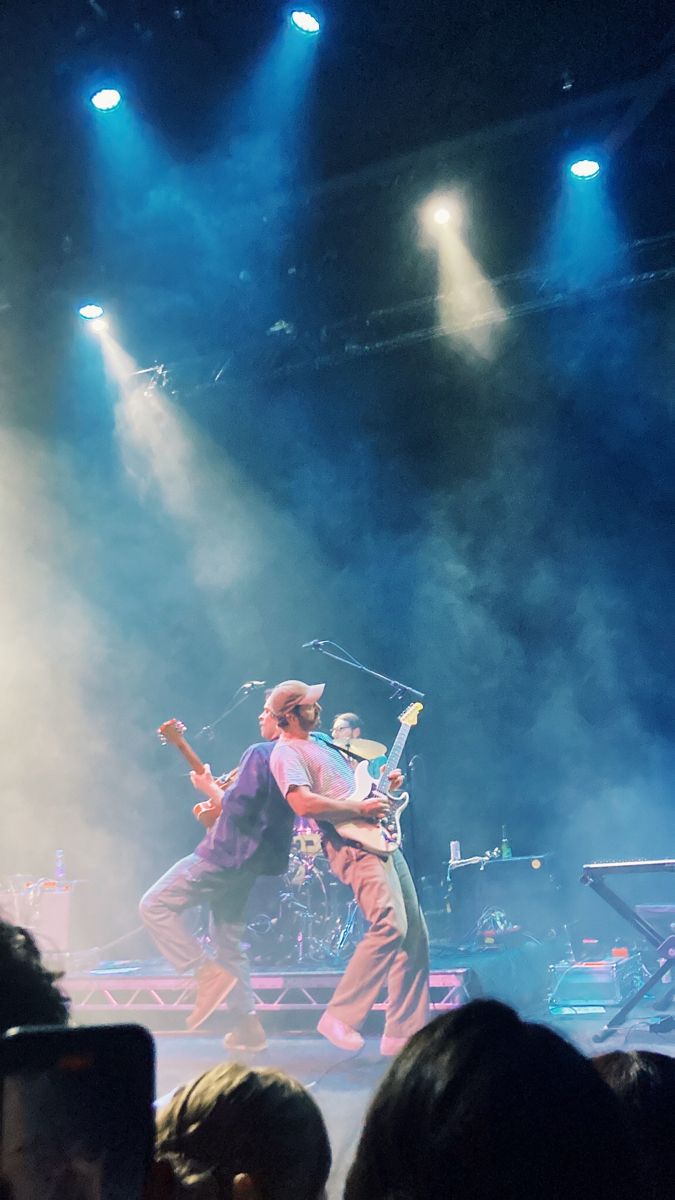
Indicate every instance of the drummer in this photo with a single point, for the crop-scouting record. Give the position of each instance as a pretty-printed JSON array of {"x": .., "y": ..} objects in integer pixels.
[{"x": 346, "y": 731}]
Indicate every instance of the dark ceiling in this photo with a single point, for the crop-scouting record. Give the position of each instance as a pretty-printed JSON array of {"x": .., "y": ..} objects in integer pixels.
[
  {"x": 395, "y": 86},
  {"x": 389, "y": 76}
]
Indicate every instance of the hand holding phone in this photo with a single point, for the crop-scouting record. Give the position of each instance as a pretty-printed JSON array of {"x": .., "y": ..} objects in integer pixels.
[{"x": 76, "y": 1117}]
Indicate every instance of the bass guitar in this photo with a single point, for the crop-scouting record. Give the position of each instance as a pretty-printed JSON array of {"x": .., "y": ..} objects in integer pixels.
[
  {"x": 206, "y": 811},
  {"x": 383, "y": 836}
]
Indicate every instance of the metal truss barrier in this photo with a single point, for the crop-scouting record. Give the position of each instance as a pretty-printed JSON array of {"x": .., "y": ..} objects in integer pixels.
[{"x": 288, "y": 991}]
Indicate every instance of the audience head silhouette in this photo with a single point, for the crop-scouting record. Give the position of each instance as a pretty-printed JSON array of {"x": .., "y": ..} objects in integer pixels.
[
  {"x": 28, "y": 991},
  {"x": 644, "y": 1082},
  {"x": 246, "y": 1134},
  {"x": 482, "y": 1104}
]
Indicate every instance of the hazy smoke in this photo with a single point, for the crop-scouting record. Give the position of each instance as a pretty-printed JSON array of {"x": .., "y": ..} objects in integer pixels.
[{"x": 71, "y": 777}]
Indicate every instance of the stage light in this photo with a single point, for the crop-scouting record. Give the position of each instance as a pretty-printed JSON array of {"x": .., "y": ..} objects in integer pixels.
[
  {"x": 90, "y": 312},
  {"x": 106, "y": 99},
  {"x": 305, "y": 22},
  {"x": 442, "y": 210},
  {"x": 585, "y": 168}
]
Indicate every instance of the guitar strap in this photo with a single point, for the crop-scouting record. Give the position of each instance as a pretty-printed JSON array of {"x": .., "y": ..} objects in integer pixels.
[{"x": 325, "y": 741}]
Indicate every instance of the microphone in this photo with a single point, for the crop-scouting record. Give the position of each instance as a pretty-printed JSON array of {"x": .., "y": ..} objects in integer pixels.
[
  {"x": 252, "y": 684},
  {"x": 314, "y": 645}
]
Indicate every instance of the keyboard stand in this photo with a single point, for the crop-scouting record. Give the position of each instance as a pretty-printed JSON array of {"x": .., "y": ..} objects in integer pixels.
[{"x": 664, "y": 950}]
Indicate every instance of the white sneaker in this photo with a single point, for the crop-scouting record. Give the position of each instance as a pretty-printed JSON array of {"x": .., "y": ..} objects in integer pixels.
[
  {"x": 391, "y": 1046},
  {"x": 338, "y": 1033}
]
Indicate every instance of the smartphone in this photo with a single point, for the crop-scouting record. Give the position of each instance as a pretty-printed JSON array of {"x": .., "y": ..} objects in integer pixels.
[{"x": 76, "y": 1116}]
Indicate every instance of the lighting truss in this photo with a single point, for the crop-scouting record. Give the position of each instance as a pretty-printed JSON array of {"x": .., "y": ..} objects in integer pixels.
[{"x": 386, "y": 330}]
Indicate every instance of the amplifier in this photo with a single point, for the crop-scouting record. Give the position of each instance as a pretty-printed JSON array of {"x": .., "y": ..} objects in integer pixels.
[
  {"x": 520, "y": 891},
  {"x": 43, "y": 907},
  {"x": 10, "y": 907},
  {"x": 590, "y": 984}
]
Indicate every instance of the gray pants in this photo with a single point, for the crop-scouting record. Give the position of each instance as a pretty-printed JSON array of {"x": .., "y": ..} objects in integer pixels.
[
  {"x": 189, "y": 883},
  {"x": 394, "y": 951}
]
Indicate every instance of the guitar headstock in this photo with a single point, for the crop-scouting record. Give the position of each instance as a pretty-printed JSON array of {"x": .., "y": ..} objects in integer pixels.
[
  {"x": 171, "y": 731},
  {"x": 409, "y": 717}
]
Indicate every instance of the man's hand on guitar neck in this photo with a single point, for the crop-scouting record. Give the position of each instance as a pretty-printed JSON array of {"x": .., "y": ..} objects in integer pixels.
[
  {"x": 395, "y": 779},
  {"x": 377, "y": 808},
  {"x": 204, "y": 782}
]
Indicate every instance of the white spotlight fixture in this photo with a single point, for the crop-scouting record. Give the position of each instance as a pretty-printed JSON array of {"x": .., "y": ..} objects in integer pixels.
[
  {"x": 90, "y": 312},
  {"x": 442, "y": 210},
  {"x": 585, "y": 168},
  {"x": 304, "y": 21},
  {"x": 441, "y": 215},
  {"x": 106, "y": 99}
]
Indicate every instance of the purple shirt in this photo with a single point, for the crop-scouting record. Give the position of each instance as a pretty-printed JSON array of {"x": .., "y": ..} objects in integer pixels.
[{"x": 256, "y": 824}]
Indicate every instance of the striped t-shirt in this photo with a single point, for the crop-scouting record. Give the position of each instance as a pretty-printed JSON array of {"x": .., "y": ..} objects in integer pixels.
[{"x": 303, "y": 762}]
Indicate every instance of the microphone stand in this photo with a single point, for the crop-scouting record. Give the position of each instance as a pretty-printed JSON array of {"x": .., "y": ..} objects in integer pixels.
[
  {"x": 242, "y": 693},
  {"x": 400, "y": 690}
]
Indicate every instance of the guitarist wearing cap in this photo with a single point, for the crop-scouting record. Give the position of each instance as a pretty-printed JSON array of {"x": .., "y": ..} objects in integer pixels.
[
  {"x": 361, "y": 839},
  {"x": 249, "y": 834}
]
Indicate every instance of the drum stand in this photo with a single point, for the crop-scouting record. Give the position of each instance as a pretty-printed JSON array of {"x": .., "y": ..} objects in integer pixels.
[
  {"x": 341, "y": 944},
  {"x": 310, "y": 923},
  {"x": 307, "y": 917}
]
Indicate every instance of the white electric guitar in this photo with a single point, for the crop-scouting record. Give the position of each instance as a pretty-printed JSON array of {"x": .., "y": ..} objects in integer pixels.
[{"x": 383, "y": 836}]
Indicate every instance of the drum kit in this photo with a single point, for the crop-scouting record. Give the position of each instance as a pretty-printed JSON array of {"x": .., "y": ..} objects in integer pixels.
[{"x": 306, "y": 916}]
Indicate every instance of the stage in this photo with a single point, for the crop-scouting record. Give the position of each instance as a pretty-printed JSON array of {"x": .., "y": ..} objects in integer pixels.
[{"x": 147, "y": 993}]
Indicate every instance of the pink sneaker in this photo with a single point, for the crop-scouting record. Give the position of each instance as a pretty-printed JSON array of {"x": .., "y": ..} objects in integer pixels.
[
  {"x": 391, "y": 1046},
  {"x": 338, "y": 1033},
  {"x": 214, "y": 983}
]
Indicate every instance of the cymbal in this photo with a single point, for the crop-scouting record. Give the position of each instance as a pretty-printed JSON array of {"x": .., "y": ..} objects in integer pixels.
[{"x": 366, "y": 748}]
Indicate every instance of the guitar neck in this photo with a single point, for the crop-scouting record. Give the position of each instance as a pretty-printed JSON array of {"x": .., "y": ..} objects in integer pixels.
[
  {"x": 189, "y": 754},
  {"x": 396, "y": 751}
]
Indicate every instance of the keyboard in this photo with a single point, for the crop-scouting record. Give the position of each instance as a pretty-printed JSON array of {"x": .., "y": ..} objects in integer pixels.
[{"x": 631, "y": 865}]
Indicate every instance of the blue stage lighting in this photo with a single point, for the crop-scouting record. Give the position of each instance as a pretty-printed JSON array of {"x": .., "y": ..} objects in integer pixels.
[
  {"x": 90, "y": 312},
  {"x": 306, "y": 22},
  {"x": 106, "y": 99},
  {"x": 585, "y": 168}
]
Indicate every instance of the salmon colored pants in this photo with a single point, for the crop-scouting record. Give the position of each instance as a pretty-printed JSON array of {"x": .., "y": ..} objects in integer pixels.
[{"x": 394, "y": 953}]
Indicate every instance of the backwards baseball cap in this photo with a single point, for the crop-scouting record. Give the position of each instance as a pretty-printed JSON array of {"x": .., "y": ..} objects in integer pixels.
[{"x": 291, "y": 692}]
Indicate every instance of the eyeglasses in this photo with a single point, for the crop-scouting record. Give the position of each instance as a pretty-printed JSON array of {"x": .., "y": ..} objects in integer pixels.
[{"x": 340, "y": 728}]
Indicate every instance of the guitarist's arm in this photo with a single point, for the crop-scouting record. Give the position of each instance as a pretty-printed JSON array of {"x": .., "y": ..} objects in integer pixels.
[{"x": 306, "y": 803}]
